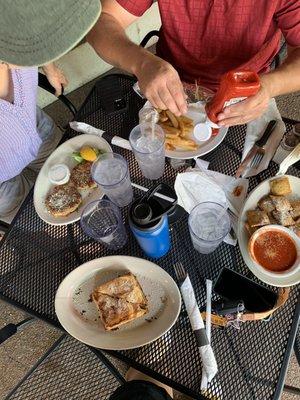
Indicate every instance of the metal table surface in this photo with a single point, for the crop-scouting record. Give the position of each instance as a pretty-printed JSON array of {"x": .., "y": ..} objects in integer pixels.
[{"x": 35, "y": 257}]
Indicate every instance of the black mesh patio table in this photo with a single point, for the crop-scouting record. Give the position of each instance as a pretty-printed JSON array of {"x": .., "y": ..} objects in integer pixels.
[{"x": 35, "y": 257}]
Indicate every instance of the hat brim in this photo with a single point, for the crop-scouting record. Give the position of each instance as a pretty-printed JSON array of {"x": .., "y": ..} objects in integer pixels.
[{"x": 41, "y": 35}]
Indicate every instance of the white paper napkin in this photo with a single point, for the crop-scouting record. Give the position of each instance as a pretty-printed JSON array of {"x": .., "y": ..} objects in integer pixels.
[
  {"x": 198, "y": 185},
  {"x": 210, "y": 367},
  {"x": 255, "y": 130}
]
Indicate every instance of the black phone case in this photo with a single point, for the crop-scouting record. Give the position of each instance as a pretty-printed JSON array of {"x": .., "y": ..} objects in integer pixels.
[{"x": 231, "y": 285}]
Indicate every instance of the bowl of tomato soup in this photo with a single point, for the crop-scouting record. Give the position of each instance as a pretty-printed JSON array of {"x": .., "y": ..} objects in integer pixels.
[{"x": 275, "y": 249}]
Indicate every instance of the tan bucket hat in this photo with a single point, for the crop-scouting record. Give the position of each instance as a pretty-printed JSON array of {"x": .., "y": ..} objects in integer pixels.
[{"x": 35, "y": 32}]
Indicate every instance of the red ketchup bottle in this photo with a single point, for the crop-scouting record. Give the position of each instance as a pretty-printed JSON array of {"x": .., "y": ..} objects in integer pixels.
[{"x": 235, "y": 86}]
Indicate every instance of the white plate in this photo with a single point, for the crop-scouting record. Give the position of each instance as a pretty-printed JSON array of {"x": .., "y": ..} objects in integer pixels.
[
  {"x": 198, "y": 115},
  {"x": 80, "y": 317},
  {"x": 62, "y": 155},
  {"x": 243, "y": 237}
]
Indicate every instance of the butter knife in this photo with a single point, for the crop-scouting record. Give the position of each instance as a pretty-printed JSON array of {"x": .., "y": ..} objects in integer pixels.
[{"x": 255, "y": 148}]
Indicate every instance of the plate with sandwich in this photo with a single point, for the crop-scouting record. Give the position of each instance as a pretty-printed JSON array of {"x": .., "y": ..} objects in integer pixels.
[
  {"x": 269, "y": 218},
  {"x": 117, "y": 302},
  {"x": 64, "y": 184}
]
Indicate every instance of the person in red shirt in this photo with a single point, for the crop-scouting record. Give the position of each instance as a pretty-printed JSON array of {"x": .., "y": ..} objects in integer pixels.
[{"x": 201, "y": 40}]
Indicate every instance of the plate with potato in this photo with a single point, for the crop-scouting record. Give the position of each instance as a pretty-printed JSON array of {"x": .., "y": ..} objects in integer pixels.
[
  {"x": 275, "y": 201},
  {"x": 180, "y": 140}
]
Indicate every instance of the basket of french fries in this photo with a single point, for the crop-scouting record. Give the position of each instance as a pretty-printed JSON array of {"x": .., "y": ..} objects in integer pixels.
[{"x": 180, "y": 141}]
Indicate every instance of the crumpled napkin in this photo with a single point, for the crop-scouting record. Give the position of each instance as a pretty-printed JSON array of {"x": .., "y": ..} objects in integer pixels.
[
  {"x": 255, "y": 130},
  {"x": 199, "y": 184}
]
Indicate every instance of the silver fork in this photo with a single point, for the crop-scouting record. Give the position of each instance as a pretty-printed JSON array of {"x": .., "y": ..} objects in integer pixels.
[
  {"x": 180, "y": 272},
  {"x": 256, "y": 160},
  {"x": 260, "y": 145}
]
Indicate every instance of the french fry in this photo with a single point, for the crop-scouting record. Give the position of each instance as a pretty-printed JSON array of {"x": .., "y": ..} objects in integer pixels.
[
  {"x": 181, "y": 142},
  {"x": 177, "y": 130},
  {"x": 163, "y": 118},
  {"x": 169, "y": 129},
  {"x": 181, "y": 125},
  {"x": 170, "y": 147},
  {"x": 186, "y": 120},
  {"x": 172, "y": 135},
  {"x": 172, "y": 118},
  {"x": 186, "y": 131}
]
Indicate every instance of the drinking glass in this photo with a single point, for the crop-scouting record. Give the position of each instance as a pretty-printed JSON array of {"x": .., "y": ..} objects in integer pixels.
[
  {"x": 110, "y": 171},
  {"x": 209, "y": 223},
  {"x": 148, "y": 144},
  {"x": 102, "y": 220}
]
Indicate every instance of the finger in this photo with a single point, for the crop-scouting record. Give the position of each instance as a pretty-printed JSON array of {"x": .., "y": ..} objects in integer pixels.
[
  {"x": 241, "y": 120},
  {"x": 242, "y": 107},
  {"x": 177, "y": 93},
  {"x": 58, "y": 90},
  {"x": 156, "y": 101},
  {"x": 64, "y": 81},
  {"x": 168, "y": 100},
  {"x": 259, "y": 110}
]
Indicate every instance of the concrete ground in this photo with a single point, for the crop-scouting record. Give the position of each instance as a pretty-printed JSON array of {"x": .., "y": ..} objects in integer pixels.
[{"x": 19, "y": 353}]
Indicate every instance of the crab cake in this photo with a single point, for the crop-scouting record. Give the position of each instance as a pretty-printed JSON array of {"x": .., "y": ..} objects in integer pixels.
[
  {"x": 63, "y": 200},
  {"x": 81, "y": 176}
]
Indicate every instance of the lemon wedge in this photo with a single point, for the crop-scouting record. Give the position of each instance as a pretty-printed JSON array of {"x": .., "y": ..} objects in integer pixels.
[{"x": 88, "y": 153}]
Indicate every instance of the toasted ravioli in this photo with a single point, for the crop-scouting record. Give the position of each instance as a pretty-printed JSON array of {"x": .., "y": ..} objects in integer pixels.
[
  {"x": 280, "y": 186},
  {"x": 257, "y": 218}
]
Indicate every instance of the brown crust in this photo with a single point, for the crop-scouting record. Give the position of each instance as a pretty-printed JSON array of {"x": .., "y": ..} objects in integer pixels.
[
  {"x": 124, "y": 287},
  {"x": 81, "y": 176},
  {"x": 63, "y": 200},
  {"x": 119, "y": 301},
  {"x": 280, "y": 186}
]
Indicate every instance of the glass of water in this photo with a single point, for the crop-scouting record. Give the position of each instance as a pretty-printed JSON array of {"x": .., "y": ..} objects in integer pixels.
[
  {"x": 209, "y": 223},
  {"x": 102, "y": 220},
  {"x": 148, "y": 144},
  {"x": 110, "y": 171}
]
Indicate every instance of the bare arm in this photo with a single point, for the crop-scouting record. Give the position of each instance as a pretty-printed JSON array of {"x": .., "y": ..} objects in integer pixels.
[
  {"x": 158, "y": 80},
  {"x": 286, "y": 78},
  {"x": 283, "y": 80}
]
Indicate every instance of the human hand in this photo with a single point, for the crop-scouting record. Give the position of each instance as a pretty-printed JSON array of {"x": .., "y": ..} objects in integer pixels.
[
  {"x": 247, "y": 110},
  {"x": 160, "y": 84},
  {"x": 56, "y": 77}
]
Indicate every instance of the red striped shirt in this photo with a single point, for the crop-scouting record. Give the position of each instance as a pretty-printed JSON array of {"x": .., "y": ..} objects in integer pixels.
[{"x": 203, "y": 39}]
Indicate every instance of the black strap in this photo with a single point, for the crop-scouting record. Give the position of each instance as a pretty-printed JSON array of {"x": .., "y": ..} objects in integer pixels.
[
  {"x": 7, "y": 331},
  {"x": 201, "y": 337},
  {"x": 108, "y": 137}
]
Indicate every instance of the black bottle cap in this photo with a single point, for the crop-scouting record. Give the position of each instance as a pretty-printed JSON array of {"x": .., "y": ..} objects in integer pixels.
[{"x": 142, "y": 213}]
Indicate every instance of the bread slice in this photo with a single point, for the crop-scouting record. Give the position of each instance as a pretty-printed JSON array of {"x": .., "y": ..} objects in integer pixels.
[
  {"x": 81, "y": 176},
  {"x": 120, "y": 301},
  {"x": 63, "y": 200},
  {"x": 280, "y": 186},
  {"x": 124, "y": 287}
]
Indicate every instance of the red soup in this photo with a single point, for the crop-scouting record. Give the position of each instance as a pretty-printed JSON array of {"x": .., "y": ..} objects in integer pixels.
[{"x": 274, "y": 250}]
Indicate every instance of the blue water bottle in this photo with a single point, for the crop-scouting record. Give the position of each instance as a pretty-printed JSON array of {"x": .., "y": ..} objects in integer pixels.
[{"x": 148, "y": 220}]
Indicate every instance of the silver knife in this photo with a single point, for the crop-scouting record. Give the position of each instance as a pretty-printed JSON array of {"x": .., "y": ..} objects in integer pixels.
[{"x": 257, "y": 145}]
